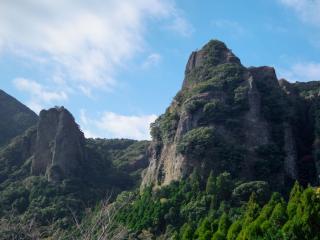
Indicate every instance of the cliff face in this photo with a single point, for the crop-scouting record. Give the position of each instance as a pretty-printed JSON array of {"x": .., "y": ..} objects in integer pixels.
[
  {"x": 229, "y": 118},
  {"x": 55, "y": 147},
  {"x": 59, "y": 149},
  {"x": 15, "y": 118}
]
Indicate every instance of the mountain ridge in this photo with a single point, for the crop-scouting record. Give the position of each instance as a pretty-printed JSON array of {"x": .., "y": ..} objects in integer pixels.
[{"x": 15, "y": 118}]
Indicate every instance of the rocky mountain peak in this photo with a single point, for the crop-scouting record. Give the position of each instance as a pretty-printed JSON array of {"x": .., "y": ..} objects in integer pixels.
[
  {"x": 59, "y": 150},
  {"x": 213, "y": 53},
  {"x": 231, "y": 118},
  {"x": 210, "y": 55}
]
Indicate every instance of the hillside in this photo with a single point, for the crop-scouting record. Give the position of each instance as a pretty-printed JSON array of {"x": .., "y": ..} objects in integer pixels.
[
  {"x": 15, "y": 118},
  {"x": 51, "y": 173}
]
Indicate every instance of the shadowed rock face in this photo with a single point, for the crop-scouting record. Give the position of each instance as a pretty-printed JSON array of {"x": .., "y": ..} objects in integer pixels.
[
  {"x": 251, "y": 112},
  {"x": 59, "y": 151}
]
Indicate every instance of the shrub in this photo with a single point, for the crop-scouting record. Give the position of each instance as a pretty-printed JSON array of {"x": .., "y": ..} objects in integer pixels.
[
  {"x": 196, "y": 142},
  {"x": 243, "y": 191}
]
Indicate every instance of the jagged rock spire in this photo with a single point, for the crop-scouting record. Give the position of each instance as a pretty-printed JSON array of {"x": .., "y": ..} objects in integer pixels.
[{"x": 59, "y": 151}]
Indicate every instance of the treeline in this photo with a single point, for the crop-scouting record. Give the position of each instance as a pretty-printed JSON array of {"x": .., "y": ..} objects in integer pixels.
[{"x": 222, "y": 209}]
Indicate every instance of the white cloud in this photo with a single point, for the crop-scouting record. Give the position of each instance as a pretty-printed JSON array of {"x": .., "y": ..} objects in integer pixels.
[
  {"x": 181, "y": 26},
  {"x": 152, "y": 60},
  {"x": 113, "y": 125},
  {"x": 40, "y": 95},
  {"x": 307, "y": 10},
  {"x": 88, "y": 40},
  {"x": 83, "y": 117},
  {"x": 306, "y": 71}
]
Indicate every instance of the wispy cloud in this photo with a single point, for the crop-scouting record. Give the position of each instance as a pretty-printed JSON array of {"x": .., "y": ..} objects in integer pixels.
[
  {"x": 307, "y": 10},
  {"x": 88, "y": 40},
  {"x": 276, "y": 28},
  {"x": 152, "y": 60},
  {"x": 40, "y": 95},
  {"x": 305, "y": 71},
  {"x": 181, "y": 26},
  {"x": 113, "y": 125}
]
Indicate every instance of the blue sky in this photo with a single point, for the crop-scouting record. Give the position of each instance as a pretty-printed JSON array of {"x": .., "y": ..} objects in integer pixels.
[{"x": 116, "y": 65}]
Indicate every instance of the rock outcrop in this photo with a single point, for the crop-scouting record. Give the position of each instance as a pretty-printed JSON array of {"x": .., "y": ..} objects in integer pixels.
[
  {"x": 249, "y": 113},
  {"x": 59, "y": 150}
]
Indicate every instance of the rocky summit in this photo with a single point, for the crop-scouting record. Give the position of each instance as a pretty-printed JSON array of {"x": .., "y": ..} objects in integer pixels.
[{"x": 241, "y": 120}]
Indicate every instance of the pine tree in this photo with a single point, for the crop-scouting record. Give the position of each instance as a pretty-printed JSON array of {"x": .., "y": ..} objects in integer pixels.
[
  {"x": 186, "y": 232},
  {"x": 211, "y": 184},
  {"x": 234, "y": 230},
  {"x": 195, "y": 180},
  {"x": 294, "y": 199},
  {"x": 224, "y": 186}
]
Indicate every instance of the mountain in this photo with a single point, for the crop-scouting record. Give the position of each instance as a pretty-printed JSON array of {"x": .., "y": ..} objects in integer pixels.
[
  {"x": 241, "y": 120},
  {"x": 235, "y": 156},
  {"x": 225, "y": 155},
  {"x": 50, "y": 173},
  {"x": 57, "y": 149},
  {"x": 54, "y": 147},
  {"x": 15, "y": 118}
]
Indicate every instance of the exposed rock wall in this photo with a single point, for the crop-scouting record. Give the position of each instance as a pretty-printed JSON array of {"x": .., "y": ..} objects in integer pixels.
[
  {"x": 59, "y": 151},
  {"x": 256, "y": 131},
  {"x": 290, "y": 148}
]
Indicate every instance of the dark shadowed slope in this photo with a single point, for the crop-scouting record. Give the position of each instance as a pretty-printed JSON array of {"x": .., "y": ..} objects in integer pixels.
[{"x": 15, "y": 118}]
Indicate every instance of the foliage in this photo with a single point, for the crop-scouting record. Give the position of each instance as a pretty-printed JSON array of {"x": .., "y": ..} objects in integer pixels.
[
  {"x": 187, "y": 208},
  {"x": 128, "y": 157},
  {"x": 204, "y": 145},
  {"x": 193, "y": 105},
  {"x": 14, "y": 158},
  {"x": 42, "y": 203},
  {"x": 196, "y": 142},
  {"x": 164, "y": 127},
  {"x": 244, "y": 190},
  {"x": 270, "y": 161},
  {"x": 51, "y": 207}
]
